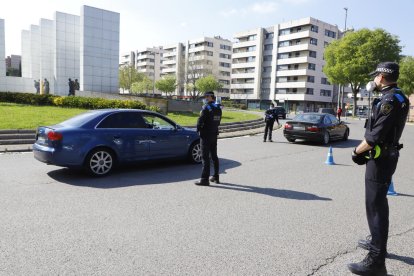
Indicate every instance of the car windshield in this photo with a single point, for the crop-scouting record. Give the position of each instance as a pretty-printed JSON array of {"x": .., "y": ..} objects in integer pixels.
[
  {"x": 80, "y": 119},
  {"x": 314, "y": 118}
]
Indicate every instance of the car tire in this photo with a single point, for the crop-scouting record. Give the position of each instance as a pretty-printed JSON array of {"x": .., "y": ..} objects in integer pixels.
[
  {"x": 284, "y": 117},
  {"x": 100, "y": 162},
  {"x": 194, "y": 154},
  {"x": 291, "y": 140},
  {"x": 346, "y": 135},
  {"x": 326, "y": 138}
]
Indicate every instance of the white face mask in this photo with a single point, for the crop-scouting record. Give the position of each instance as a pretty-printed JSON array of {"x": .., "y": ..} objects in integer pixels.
[{"x": 371, "y": 86}]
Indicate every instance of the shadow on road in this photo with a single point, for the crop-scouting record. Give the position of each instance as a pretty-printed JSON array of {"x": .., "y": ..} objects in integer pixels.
[
  {"x": 138, "y": 174},
  {"x": 288, "y": 194},
  {"x": 351, "y": 143},
  {"x": 404, "y": 259},
  {"x": 406, "y": 195}
]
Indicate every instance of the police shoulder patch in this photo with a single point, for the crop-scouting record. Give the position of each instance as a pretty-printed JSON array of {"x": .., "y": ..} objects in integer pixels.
[{"x": 386, "y": 108}]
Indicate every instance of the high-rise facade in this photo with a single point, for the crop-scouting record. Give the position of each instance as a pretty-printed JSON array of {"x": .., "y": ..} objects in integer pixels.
[
  {"x": 148, "y": 61},
  {"x": 283, "y": 64}
]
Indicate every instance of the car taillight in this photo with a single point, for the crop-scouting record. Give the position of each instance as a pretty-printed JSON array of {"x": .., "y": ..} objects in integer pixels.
[
  {"x": 312, "y": 129},
  {"x": 288, "y": 126},
  {"x": 54, "y": 136}
]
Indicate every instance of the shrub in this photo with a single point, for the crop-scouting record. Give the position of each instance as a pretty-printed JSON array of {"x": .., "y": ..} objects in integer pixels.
[{"x": 73, "y": 101}]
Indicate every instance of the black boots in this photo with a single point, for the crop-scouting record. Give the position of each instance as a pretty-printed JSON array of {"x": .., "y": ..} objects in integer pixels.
[
  {"x": 366, "y": 244},
  {"x": 202, "y": 182},
  {"x": 215, "y": 179},
  {"x": 369, "y": 266}
]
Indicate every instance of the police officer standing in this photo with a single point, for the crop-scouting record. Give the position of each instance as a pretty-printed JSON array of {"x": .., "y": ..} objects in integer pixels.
[
  {"x": 380, "y": 151},
  {"x": 270, "y": 117},
  {"x": 207, "y": 127}
]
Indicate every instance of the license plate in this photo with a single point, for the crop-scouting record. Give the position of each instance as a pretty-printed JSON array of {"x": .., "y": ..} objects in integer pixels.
[
  {"x": 41, "y": 140},
  {"x": 299, "y": 128}
]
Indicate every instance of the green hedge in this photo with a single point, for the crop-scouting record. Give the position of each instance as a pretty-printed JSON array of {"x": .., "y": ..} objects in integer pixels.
[
  {"x": 234, "y": 105},
  {"x": 72, "y": 101}
]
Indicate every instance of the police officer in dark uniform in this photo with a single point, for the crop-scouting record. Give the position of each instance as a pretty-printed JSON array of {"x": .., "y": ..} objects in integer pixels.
[
  {"x": 207, "y": 126},
  {"x": 270, "y": 117},
  {"x": 380, "y": 151}
]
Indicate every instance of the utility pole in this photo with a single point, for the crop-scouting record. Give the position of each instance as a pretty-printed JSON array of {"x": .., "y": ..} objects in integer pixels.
[{"x": 346, "y": 17}]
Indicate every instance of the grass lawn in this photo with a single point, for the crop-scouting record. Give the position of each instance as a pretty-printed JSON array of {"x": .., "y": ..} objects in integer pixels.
[{"x": 19, "y": 116}]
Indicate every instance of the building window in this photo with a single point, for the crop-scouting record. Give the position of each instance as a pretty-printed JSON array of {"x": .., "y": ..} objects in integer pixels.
[
  {"x": 284, "y": 44},
  {"x": 282, "y": 67},
  {"x": 314, "y": 28},
  {"x": 225, "y": 47},
  {"x": 267, "y": 58},
  {"x": 251, "y": 37},
  {"x": 281, "y": 91},
  {"x": 226, "y": 56},
  {"x": 311, "y": 66},
  {"x": 283, "y": 56},
  {"x": 330, "y": 33},
  {"x": 224, "y": 64},
  {"x": 268, "y": 47},
  {"x": 309, "y": 91},
  {"x": 294, "y": 90},
  {"x": 225, "y": 73},
  {"x": 267, "y": 69},
  {"x": 297, "y": 54},
  {"x": 324, "y": 81},
  {"x": 251, "y": 59},
  {"x": 226, "y": 82},
  {"x": 313, "y": 41},
  {"x": 284, "y": 32},
  {"x": 312, "y": 54},
  {"x": 269, "y": 35},
  {"x": 311, "y": 79},
  {"x": 326, "y": 93},
  {"x": 249, "y": 70},
  {"x": 209, "y": 44},
  {"x": 265, "y": 91},
  {"x": 282, "y": 79},
  {"x": 266, "y": 80},
  {"x": 251, "y": 48},
  {"x": 250, "y": 80}
]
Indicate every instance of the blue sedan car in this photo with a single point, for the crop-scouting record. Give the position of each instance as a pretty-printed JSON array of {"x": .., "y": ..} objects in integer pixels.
[{"x": 100, "y": 139}]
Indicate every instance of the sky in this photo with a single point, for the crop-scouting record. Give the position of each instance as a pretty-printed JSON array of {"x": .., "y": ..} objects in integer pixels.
[{"x": 162, "y": 22}]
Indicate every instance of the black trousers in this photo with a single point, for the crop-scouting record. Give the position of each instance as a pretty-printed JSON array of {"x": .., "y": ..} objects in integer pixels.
[
  {"x": 378, "y": 176},
  {"x": 209, "y": 149},
  {"x": 268, "y": 130}
]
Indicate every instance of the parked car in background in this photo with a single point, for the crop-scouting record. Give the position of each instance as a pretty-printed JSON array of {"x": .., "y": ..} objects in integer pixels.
[
  {"x": 280, "y": 112},
  {"x": 327, "y": 110},
  {"x": 99, "y": 140},
  {"x": 319, "y": 127}
]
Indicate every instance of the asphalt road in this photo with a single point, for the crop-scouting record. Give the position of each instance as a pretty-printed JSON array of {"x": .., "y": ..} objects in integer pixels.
[{"x": 279, "y": 211}]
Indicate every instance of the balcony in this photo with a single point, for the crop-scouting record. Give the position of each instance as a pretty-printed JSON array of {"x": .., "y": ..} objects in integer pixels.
[
  {"x": 140, "y": 57},
  {"x": 144, "y": 63},
  {"x": 244, "y": 44},
  {"x": 242, "y": 85},
  {"x": 167, "y": 70},
  {"x": 243, "y": 65},
  {"x": 293, "y": 60},
  {"x": 290, "y": 73},
  {"x": 169, "y": 61},
  {"x": 243, "y": 75},
  {"x": 294, "y": 48},
  {"x": 169, "y": 54},
  {"x": 244, "y": 54},
  {"x": 302, "y": 34},
  {"x": 292, "y": 84},
  {"x": 200, "y": 49}
]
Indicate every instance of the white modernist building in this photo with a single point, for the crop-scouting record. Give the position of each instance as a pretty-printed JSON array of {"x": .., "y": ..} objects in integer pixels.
[
  {"x": 148, "y": 61},
  {"x": 84, "y": 47},
  {"x": 283, "y": 64}
]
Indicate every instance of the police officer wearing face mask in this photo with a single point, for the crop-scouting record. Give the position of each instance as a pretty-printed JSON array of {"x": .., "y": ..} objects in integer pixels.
[
  {"x": 208, "y": 128},
  {"x": 380, "y": 151}
]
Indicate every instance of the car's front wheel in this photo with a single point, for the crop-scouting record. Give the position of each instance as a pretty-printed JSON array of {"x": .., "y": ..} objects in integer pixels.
[
  {"x": 195, "y": 154},
  {"x": 100, "y": 162},
  {"x": 292, "y": 140},
  {"x": 346, "y": 135}
]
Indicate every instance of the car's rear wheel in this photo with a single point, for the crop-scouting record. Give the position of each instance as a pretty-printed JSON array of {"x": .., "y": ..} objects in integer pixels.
[
  {"x": 326, "y": 138},
  {"x": 292, "y": 140},
  {"x": 346, "y": 135},
  {"x": 195, "y": 154},
  {"x": 100, "y": 162}
]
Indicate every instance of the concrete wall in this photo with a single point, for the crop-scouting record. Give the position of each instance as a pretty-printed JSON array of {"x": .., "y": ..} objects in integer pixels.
[
  {"x": 26, "y": 62},
  {"x": 46, "y": 53},
  {"x": 99, "y": 56},
  {"x": 2, "y": 49}
]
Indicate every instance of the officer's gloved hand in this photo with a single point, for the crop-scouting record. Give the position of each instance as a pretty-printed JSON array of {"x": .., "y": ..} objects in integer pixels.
[{"x": 359, "y": 158}]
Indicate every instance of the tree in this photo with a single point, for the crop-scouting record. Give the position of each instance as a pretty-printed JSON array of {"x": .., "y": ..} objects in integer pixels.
[
  {"x": 166, "y": 85},
  {"x": 208, "y": 83},
  {"x": 196, "y": 69},
  {"x": 406, "y": 79},
  {"x": 128, "y": 75},
  {"x": 350, "y": 59},
  {"x": 142, "y": 86}
]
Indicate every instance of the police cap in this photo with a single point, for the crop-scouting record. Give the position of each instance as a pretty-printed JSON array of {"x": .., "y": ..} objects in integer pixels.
[
  {"x": 209, "y": 93},
  {"x": 389, "y": 68}
]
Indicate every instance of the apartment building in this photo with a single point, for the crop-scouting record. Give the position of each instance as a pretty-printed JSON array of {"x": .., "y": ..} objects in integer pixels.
[
  {"x": 173, "y": 64},
  {"x": 283, "y": 64},
  {"x": 148, "y": 61},
  {"x": 127, "y": 59}
]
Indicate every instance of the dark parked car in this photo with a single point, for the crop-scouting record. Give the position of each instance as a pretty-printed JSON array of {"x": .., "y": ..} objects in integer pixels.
[
  {"x": 280, "y": 112},
  {"x": 100, "y": 139},
  {"x": 327, "y": 110},
  {"x": 318, "y": 127}
]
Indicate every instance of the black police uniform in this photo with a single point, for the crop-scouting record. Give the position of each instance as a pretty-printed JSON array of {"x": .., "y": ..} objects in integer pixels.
[
  {"x": 383, "y": 132},
  {"x": 207, "y": 125},
  {"x": 270, "y": 117}
]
